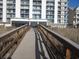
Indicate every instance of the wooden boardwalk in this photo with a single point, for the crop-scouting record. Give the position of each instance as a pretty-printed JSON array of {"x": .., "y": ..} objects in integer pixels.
[{"x": 26, "y": 49}]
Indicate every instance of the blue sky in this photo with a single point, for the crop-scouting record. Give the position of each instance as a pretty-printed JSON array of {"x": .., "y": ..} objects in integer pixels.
[{"x": 73, "y": 3}]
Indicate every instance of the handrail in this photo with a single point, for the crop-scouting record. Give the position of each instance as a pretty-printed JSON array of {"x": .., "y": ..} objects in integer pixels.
[
  {"x": 9, "y": 32},
  {"x": 70, "y": 48},
  {"x": 11, "y": 39},
  {"x": 75, "y": 45}
]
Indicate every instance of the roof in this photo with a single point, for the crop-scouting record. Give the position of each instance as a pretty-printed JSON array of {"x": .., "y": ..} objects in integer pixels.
[{"x": 77, "y": 8}]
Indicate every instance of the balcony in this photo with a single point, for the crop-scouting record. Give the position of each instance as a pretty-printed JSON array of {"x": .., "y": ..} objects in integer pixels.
[
  {"x": 1, "y": 1},
  {"x": 1, "y": 10},
  {"x": 50, "y": 4},
  {"x": 0, "y": 16},
  {"x": 10, "y": 16},
  {"x": 49, "y": 14},
  {"x": 24, "y": 7},
  {"x": 10, "y": 2},
  {"x": 63, "y": 0},
  {"x": 1, "y": 6},
  {"x": 25, "y": 13},
  {"x": 24, "y": 3},
  {"x": 49, "y": 8},
  {"x": 77, "y": 17},
  {"x": 24, "y": 16},
  {"x": 37, "y": 12},
  {"x": 39, "y": 4},
  {"x": 50, "y": 0},
  {"x": 10, "y": 7},
  {"x": 11, "y": 12}
]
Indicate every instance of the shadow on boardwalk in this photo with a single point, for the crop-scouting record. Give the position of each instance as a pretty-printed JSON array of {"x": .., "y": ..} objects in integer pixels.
[{"x": 39, "y": 51}]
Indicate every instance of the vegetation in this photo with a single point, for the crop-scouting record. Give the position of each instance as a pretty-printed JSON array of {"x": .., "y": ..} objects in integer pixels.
[
  {"x": 71, "y": 33},
  {"x": 5, "y": 29}
]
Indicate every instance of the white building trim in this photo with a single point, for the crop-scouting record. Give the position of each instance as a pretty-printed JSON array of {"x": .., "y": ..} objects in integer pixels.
[
  {"x": 18, "y": 8},
  {"x": 4, "y": 11},
  {"x": 30, "y": 8},
  {"x": 43, "y": 13},
  {"x": 31, "y": 12},
  {"x": 56, "y": 12},
  {"x": 31, "y": 20}
]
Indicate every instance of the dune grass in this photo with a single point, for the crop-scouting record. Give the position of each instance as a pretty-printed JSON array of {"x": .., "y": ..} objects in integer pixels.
[
  {"x": 71, "y": 33},
  {"x": 5, "y": 29}
]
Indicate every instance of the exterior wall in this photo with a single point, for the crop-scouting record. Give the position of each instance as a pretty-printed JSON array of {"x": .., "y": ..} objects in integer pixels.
[
  {"x": 18, "y": 3},
  {"x": 43, "y": 13},
  {"x": 4, "y": 11},
  {"x": 56, "y": 12},
  {"x": 71, "y": 16},
  {"x": 52, "y": 10},
  {"x": 77, "y": 15},
  {"x": 10, "y": 10},
  {"x": 37, "y": 9},
  {"x": 64, "y": 11},
  {"x": 1, "y": 10},
  {"x": 31, "y": 8},
  {"x": 24, "y": 10}
]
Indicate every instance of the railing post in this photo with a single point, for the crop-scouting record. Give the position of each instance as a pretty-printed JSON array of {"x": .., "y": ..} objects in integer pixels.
[
  {"x": 71, "y": 48},
  {"x": 78, "y": 54},
  {"x": 68, "y": 53},
  {"x": 74, "y": 54}
]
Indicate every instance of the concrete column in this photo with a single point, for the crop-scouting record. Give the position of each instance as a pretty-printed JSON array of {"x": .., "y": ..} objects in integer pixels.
[
  {"x": 62, "y": 12},
  {"x": 43, "y": 13},
  {"x": 30, "y": 8},
  {"x": 56, "y": 12},
  {"x": 47, "y": 24},
  {"x": 68, "y": 53},
  {"x": 4, "y": 19},
  {"x": 37, "y": 22},
  {"x": 29, "y": 23},
  {"x": 62, "y": 19},
  {"x": 18, "y": 8}
]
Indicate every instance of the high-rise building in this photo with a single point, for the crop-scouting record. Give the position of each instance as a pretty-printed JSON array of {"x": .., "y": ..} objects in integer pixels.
[
  {"x": 51, "y": 10},
  {"x": 73, "y": 17},
  {"x": 77, "y": 15},
  {"x": 1, "y": 10}
]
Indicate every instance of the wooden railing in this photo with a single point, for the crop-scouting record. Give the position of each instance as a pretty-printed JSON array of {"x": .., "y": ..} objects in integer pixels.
[
  {"x": 63, "y": 46},
  {"x": 10, "y": 40}
]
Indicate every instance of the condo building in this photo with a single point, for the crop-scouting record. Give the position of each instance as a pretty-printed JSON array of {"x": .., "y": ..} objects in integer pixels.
[
  {"x": 54, "y": 11},
  {"x": 77, "y": 15}
]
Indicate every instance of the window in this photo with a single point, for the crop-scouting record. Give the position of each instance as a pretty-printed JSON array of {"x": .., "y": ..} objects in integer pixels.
[
  {"x": 77, "y": 14},
  {"x": 35, "y": 16}
]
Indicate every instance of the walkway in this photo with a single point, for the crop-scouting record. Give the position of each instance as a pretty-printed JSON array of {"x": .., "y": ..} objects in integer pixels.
[{"x": 26, "y": 49}]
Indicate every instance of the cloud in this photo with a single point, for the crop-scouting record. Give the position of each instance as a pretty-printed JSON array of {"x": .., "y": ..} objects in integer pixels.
[{"x": 73, "y": 3}]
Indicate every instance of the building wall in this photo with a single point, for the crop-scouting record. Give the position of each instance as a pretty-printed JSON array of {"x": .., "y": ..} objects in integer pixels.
[
  {"x": 52, "y": 10},
  {"x": 8, "y": 10},
  {"x": 71, "y": 15},
  {"x": 1, "y": 10},
  {"x": 77, "y": 14},
  {"x": 63, "y": 8}
]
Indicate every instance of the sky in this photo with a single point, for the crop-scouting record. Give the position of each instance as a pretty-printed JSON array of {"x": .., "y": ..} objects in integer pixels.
[{"x": 73, "y": 3}]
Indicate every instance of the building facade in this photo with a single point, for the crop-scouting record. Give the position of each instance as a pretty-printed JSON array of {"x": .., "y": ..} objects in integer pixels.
[
  {"x": 71, "y": 16},
  {"x": 77, "y": 15},
  {"x": 51, "y": 10},
  {"x": 76, "y": 21}
]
